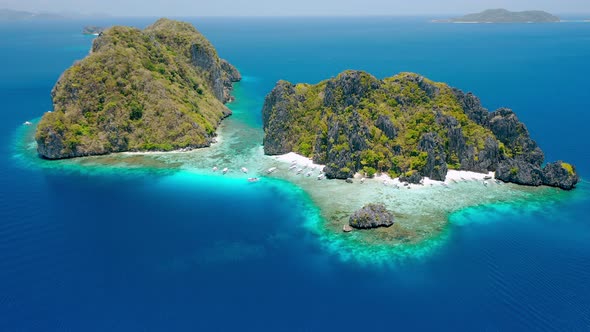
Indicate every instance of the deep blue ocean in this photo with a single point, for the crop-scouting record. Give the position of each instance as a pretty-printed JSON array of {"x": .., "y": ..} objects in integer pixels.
[{"x": 153, "y": 250}]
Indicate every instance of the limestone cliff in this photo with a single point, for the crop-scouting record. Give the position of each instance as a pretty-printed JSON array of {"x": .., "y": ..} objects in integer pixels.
[{"x": 405, "y": 125}]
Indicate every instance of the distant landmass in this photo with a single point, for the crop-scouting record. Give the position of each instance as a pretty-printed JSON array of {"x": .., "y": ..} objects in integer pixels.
[
  {"x": 504, "y": 16},
  {"x": 92, "y": 30},
  {"x": 11, "y": 15},
  {"x": 19, "y": 15}
]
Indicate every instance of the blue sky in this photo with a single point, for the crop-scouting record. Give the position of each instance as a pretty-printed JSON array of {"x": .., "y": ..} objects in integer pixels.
[{"x": 291, "y": 7}]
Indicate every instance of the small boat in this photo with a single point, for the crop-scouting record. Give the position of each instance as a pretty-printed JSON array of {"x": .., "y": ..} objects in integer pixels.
[
  {"x": 244, "y": 170},
  {"x": 454, "y": 181},
  {"x": 225, "y": 170},
  {"x": 299, "y": 171},
  {"x": 363, "y": 180},
  {"x": 293, "y": 162},
  {"x": 487, "y": 177},
  {"x": 321, "y": 176},
  {"x": 27, "y": 123},
  {"x": 463, "y": 179},
  {"x": 485, "y": 183},
  {"x": 215, "y": 169},
  {"x": 253, "y": 180},
  {"x": 271, "y": 170},
  {"x": 293, "y": 167},
  {"x": 308, "y": 174}
]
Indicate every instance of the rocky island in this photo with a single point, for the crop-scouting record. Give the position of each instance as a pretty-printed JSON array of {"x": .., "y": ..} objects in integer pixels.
[
  {"x": 162, "y": 88},
  {"x": 406, "y": 126},
  {"x": 504, "y": 16}
]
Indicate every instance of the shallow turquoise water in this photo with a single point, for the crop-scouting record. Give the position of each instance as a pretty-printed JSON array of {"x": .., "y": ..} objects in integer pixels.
[{"x": 87, "y": 248}]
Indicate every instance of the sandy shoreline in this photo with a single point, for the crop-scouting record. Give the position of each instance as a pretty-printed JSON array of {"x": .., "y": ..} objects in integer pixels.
[{"x": 453, "y": 176}]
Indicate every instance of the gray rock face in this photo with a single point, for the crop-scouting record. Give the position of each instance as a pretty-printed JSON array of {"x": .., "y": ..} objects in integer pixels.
[
  {"x": 220, "y": 73},
  {"x": 384, "y": 123},
  {"x": 371, "y": 216},
  {"x": 351, "y": 87},
  {"x": 557, "y": 174},
  {"x": 520, "y": 172},
  {"x": 414, "y": 177},
  {"x": 342, "y": 163},
  {"x": 276, "y": 117},
  {"x": 514, "y": 135},
  {"x": 472, "y": 107},
  {"x": 436, "y": 162}
]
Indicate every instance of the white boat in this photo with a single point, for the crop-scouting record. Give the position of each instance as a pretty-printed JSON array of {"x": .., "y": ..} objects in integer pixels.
[
  {"x": 253, "y": 180},
  {"x": 308, "y": 173},
  {"x": 321, "y": 176},
  {"x": 225, "y": 170},
  {"x": 293, "y": 167},
  {"x": 215, "y": 169},
  {"x": 244, "y": 170},
  {"x": 271, "y": 170},
  {"x": 27, "y": 123},
  {"x": 363, "y": 180},
  {"x": 299, "y": 171}
]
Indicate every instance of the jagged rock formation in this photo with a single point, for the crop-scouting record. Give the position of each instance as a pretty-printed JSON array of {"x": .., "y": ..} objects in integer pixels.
[
  {"x": 405, "y": 125},
  {"x": 371, "y": 216},
  {"x": 161, "y": 88}
]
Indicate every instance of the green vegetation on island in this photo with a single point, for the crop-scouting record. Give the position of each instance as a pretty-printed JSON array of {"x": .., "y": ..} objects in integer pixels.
[
  {"x": 406, "y": 126},
  {"x": 505, "y": 16},
  {"x": 162, "y": 88}
]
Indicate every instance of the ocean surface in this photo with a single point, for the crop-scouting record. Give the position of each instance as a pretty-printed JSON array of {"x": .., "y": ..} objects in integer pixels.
[{"x": 168, "y": 250}]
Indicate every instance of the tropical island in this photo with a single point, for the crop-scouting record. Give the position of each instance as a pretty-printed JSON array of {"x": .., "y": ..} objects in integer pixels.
[
  {"x": 405, "y": 126},
  {"x": 162, "y": 88},
  {"x": 504, "y": 16}
]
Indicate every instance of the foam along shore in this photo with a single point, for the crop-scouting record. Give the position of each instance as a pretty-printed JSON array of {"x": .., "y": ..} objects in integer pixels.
[{"x": 453, "y": 176}]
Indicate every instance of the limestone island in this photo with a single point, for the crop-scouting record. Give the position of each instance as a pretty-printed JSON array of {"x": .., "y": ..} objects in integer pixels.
[
  {"x": 92, "y": 30},
  {"x": 504, "y": 16},
  {"x": 398, "y": 156},
  {"x": 158, "y": 89},
  {"x": 405, "y": 126}
]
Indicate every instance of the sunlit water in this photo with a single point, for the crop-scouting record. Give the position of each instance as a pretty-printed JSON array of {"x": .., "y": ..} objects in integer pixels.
[{"x": 159, "y": 242}]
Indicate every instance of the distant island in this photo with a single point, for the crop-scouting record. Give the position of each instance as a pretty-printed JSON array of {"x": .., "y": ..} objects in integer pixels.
[
  {"x": 405, "y": 126},
  {"x": 158, "y": 89},
  {"x": 11, "y": 15},
  {"x": 19, "y": 15},
  {"x": 92, "y": 30},
  {"x": 504, "y": 16}
]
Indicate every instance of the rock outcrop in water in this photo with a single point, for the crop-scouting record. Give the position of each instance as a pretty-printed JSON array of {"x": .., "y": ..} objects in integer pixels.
[
  {"x": 405, "y": 125},
  {"x": 162, "y": 88},
  {"x": 371, "y": 216}
]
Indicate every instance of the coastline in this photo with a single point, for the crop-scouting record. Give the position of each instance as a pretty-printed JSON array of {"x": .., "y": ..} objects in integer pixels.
[{"x": 422, "y": 213}]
